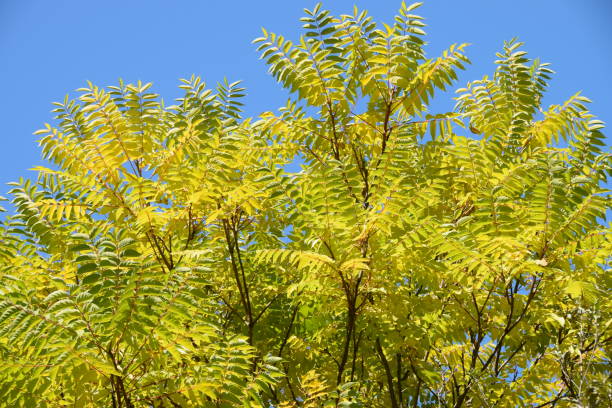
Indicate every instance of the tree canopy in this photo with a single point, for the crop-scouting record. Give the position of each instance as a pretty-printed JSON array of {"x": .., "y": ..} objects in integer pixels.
[{"x": 167, "y": 257}]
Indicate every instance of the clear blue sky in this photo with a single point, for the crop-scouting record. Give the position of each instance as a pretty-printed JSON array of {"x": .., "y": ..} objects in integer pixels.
[{"x": 50, "y": 47}]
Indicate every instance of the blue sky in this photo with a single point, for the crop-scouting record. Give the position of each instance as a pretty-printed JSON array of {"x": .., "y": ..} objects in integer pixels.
[{"x": 48, "y": 48}]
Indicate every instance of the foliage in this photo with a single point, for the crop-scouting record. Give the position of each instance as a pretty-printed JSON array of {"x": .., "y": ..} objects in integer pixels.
[{"x": 168, "y": 258}]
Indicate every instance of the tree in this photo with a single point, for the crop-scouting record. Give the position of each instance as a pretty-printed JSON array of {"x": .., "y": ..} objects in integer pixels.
[{"x": 169, "y": 259}]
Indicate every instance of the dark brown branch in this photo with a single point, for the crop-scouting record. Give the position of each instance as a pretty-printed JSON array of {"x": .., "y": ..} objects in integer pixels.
[{"x": 385, "y": 363}]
